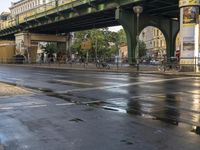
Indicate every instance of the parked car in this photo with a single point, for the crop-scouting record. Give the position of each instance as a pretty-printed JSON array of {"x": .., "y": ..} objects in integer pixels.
[{"x": 154, "y": 62}]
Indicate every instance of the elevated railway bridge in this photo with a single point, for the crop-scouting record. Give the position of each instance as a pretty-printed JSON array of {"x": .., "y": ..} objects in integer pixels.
[{"x": 65, "y": 16}]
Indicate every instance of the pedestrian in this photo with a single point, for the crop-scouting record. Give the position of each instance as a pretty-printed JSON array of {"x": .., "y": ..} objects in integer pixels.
[{"x": 42, "y": 58}]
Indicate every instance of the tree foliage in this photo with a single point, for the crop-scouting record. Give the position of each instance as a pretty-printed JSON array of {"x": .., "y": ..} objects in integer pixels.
[
  {"x": 142, "y": 49},
  {"x": 122, "y": 36},
  {"x": 50, "y": 48},
  {"x": 105, "y": 42}
]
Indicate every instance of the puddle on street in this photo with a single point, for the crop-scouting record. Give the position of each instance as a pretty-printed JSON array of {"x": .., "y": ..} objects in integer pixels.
[{"x": 166, "y": 108}]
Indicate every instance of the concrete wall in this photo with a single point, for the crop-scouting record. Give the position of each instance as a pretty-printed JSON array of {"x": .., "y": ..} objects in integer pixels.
[{"x": 7, "y": 51}]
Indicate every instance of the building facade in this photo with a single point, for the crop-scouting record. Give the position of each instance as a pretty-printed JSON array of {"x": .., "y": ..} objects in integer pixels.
[
  {"x": 154, "y": 40},
  {"x": 25, "y": 5}
]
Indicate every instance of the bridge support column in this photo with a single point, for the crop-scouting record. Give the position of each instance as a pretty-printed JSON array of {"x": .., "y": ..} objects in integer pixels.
[
  {"x": 27, "y": 43},
  {"x": 69, "y": 44},
  {"x": 128, "y": 20},
  {"x": 23, "y": 45},
  {"x": 168, "y": 27},
  {"x": 189, "y": 35}
]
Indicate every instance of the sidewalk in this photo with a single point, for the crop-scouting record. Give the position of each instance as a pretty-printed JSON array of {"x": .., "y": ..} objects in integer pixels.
[{"x": 145, "y": 69}]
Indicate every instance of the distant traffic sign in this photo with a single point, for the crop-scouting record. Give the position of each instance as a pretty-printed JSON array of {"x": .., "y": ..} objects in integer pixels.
[{"x": 86, "y": 44}]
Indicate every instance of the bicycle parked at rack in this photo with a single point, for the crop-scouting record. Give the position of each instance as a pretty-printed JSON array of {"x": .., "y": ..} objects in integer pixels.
[
  {"x": 171, "y": 65},
  {"x": 102, "y": 65}
]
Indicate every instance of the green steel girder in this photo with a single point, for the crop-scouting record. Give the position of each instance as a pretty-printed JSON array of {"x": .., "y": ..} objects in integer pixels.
[
  {"x": 89, "y": 7},
  {"x": 87, "y": 14}
]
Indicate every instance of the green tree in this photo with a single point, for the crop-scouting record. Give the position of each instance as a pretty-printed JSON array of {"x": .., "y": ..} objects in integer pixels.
[
  {"x": 105, "y": 42},
  {"x": 50, "y": 48},
  {"x": 122, "y": 36},
  {"x": 142, "y": 49}
]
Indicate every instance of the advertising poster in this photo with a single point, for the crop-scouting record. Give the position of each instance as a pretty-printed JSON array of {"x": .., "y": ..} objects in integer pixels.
[
  {"x": 188, "y": 47},
  {"x": 190, "y": 21},
  {"x": 190, "y": 15}
]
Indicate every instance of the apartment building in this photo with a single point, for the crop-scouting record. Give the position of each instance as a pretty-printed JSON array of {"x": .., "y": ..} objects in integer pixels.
[
  {"x": 25, "y": 5},
  {"x": 154, "y": 40}
]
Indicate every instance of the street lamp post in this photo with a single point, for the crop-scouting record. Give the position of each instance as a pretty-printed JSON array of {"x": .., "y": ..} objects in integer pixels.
[{"x": 138, "y": 10}]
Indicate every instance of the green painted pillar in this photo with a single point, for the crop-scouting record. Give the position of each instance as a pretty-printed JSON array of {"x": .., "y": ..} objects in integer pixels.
[
  {"x": 128, "y": 20},
  {"x": 173, "y": 28}
]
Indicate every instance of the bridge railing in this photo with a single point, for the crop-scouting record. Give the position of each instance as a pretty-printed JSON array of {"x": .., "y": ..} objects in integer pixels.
[{"x": 31, "y": 14}]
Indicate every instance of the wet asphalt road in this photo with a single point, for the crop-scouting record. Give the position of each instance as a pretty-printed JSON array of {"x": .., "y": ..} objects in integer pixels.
[{"x": 173, "y": 100}]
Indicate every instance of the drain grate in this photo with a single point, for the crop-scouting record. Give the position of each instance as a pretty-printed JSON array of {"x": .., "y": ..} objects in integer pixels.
[{"x": 10, "y": 90}]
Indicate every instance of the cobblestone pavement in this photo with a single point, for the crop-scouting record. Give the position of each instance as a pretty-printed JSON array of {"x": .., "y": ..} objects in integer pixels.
[{"x": 9, "y": 90}]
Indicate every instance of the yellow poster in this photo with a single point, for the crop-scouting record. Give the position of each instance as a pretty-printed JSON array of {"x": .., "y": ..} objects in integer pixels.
[
  {"x": 190, "y": 15},
  {"x": 86, "y": 44},
  {"x": 183, "y": 3}
]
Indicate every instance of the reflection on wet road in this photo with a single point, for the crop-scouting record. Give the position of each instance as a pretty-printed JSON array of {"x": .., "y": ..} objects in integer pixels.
[{"x": 171, "y": 99}]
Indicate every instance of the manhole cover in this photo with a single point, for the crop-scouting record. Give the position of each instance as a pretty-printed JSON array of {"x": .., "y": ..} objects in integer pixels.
[{"x": 9, "y": 90}]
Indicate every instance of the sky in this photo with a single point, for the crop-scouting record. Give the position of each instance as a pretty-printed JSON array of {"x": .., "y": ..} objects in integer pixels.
[
  {"x": 5, "y": 4},
  {"x": 115, "y": 28}
]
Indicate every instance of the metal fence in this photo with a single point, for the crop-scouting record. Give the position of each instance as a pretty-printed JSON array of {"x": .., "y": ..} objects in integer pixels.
[{"x": 117, "y": 63}]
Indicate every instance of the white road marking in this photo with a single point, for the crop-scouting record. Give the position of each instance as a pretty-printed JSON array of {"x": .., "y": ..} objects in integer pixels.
[
  {"x": 65, "y": 104},
  {"x": 91, "y": 102},
  {"x": 74, "y": 82},
  {"x": 50, "y": 75},
  {"x": 125, "y": 85},
  {"x": 36, "y": 106},
  {"x": 6, "y": 108},
  {"x": 41, "y": 74},
  {"x": 16, "y": 79}
]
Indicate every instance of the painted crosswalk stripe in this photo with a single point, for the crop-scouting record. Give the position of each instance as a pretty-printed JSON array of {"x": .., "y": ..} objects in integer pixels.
[
  {"x": 125, "y": 85},
  {"x": 73, "y": 82},
  {"x": 36, "y": 106},
  {"x": 65, "y": 104}
]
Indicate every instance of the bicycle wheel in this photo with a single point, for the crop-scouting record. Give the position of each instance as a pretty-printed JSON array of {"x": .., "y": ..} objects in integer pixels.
[
  {"x": 107, "y": 66},
  {"x": 178, "y": 68},
  {"x": 161, "y": 68},
  {"x": 97, "y": 65}
]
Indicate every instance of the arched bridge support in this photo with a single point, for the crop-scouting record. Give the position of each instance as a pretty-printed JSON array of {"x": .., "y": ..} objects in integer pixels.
[{"x": 128, "y": 20}]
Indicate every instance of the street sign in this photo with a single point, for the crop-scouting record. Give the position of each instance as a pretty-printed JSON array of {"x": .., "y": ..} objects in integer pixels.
[{"x": 86, "y": 44}]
